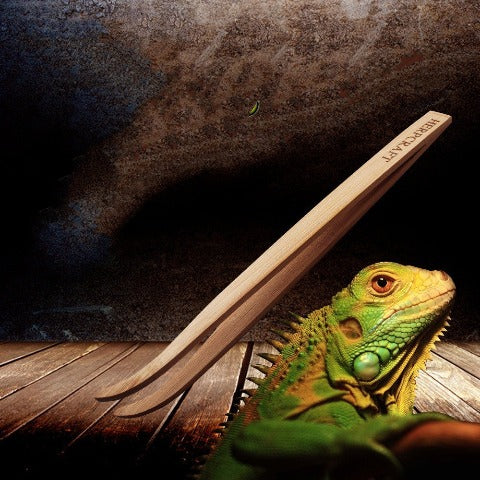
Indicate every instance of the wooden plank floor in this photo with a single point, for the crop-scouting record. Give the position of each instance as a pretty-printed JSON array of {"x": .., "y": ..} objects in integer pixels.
[{"x": 50, "y": 422}]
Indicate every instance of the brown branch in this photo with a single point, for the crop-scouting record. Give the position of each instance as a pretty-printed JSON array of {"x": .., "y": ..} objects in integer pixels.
[
  {"x": 443, "y": 449},
  {"x": 434, "y": 450}
]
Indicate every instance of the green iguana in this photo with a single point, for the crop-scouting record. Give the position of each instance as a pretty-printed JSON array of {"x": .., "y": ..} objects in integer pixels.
[{"x": 343, "y": 384}]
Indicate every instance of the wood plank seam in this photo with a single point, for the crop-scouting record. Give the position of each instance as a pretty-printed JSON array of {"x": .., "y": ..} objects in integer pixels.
[
  {"x": 162, "y": 424},
  {"x": 41, "y": 349},
  {"x": 451, "y": 359},
  {"x": 459, "y": 399},
  {"x": 192, "y": 430},
  {"x": 246, "y": 363},
  {"x": 458, "y": 365},
  {"x": 69, "y": 362},
  {"x": 460, "y": 379},
  {"x": 109, "y": 409},
  {"x": 110, "y": 363},
  {"x": 166, "y": 420},
  {"x": 469, "y": 347},
  {"x": 88, "y": 427}
]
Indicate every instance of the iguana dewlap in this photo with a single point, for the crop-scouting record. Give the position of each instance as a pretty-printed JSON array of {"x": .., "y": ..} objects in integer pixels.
[{"x": 343, "y": 384}]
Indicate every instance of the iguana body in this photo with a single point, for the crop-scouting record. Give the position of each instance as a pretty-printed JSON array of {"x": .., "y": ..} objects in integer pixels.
[{"x": 341, "y": 369}]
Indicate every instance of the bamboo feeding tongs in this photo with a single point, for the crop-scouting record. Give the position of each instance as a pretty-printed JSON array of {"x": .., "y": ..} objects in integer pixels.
[{"x": 229, "y": 315}]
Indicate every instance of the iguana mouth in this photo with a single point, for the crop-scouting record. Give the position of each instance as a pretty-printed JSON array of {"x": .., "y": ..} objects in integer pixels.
[
  {"x": 417, "y": 361},
  {"x": 415, "y": 354},
  {"x": 405, "y": 308},
  {"x": 412, "y": 356},
  {"x": 429, "y": 299}
]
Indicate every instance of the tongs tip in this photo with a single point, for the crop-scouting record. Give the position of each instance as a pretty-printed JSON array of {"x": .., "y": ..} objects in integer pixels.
[
  {"x": 125, "y": 412},
  {"x": 106, "y": 397},
  {"x": 117, "y": 392},
  {"x": 142, "y": 406}
]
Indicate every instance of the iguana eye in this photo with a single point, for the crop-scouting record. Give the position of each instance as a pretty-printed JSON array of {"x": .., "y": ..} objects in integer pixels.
[{"x": 382, "y": 283}]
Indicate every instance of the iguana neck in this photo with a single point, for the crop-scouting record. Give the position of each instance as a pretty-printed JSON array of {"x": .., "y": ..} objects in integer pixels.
[{"x": 297, "y": 381}]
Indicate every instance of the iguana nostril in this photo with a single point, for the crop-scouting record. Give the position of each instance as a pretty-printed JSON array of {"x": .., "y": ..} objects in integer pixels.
[{"x": 443, "y": 275}]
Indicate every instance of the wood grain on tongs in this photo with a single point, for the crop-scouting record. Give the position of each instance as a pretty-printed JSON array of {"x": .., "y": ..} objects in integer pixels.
[{"x": 244, "y": 301}]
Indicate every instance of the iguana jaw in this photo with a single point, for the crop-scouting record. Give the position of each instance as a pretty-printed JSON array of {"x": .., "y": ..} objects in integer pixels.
[
  {"x": 396, "y": 386},
  {"x": 403, "y": 389}
]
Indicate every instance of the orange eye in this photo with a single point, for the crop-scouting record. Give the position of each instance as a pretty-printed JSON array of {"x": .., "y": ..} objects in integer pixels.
[{"x": 382, "y": 283}]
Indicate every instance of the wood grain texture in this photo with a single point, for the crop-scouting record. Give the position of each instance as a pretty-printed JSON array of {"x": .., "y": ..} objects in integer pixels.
[
  {"x": 458, "y": 381},
  {"x": 10, "y": 352},
  {"x": 432, "y": 396},
  {"x": 120, "y": 443},
  {"x": 64, "y": 421},
  {"x": 18, "y": 409},
  {"x": 191, "y": 431},
  {"x": 117, "y": 428},
  {"x": 462, "y": 355},
  {"x": 38, "y": 445},
  {"x": 55, "y": 426},
  {"x": 473, "y": 347},
  {"x": 32, "y": 368},
  {"x": 208, "y": 401},
  {"x": 258, "y": 347}
]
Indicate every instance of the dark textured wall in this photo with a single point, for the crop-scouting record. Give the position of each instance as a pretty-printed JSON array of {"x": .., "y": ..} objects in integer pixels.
[{"x": 135, "y": 186}]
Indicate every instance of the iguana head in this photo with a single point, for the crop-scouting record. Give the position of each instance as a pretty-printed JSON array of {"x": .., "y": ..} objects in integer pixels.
[{"x": 382, "y": 329}]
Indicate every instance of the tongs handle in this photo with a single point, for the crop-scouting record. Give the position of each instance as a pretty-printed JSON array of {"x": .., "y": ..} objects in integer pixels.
[{"x": 253, "y": 292}]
